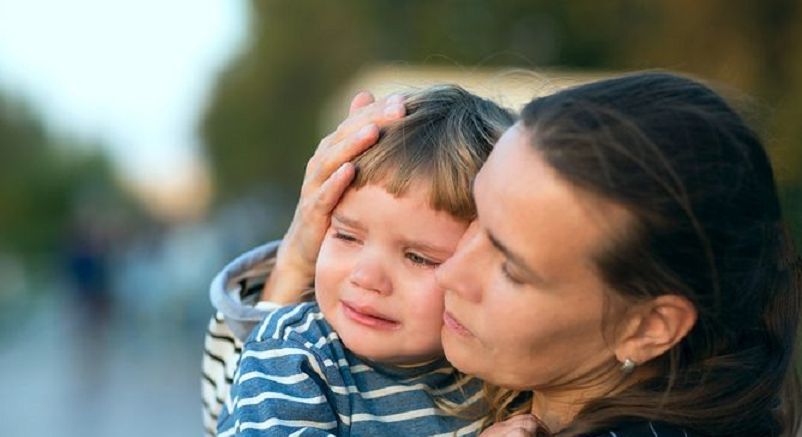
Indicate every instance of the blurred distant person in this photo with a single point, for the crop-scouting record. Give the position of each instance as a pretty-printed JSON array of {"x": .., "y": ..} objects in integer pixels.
[{"x": 88, "y": 272}]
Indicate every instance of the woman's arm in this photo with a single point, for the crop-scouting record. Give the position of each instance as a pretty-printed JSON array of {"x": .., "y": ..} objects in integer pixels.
[{"x": 328, "y": 174}]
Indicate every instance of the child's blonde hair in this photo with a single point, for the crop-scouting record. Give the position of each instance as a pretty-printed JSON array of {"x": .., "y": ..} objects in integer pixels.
[{"x": 443, "y": 140}]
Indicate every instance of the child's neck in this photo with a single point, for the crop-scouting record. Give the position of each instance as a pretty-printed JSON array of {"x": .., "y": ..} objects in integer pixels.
[
  {"x": 409, "y": 369},
  {"x": 418, "y": 364}
]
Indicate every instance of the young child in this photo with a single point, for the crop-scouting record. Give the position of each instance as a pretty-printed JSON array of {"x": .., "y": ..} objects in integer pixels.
[{"x": 366, "y": 358}]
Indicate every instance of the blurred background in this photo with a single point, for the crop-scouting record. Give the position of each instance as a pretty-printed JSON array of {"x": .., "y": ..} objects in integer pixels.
[{"x": 143, "y": 144}]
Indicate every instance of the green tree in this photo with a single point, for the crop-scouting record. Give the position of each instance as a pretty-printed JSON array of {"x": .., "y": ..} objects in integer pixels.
[
  {"x": 42, "y": 177},
  {"x": 262, "y": 122}
]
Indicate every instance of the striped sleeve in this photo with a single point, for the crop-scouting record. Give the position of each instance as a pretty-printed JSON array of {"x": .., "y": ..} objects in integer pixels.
[
  {"x": 279, "y": 389},
  {"x": 221, "y": 353}
]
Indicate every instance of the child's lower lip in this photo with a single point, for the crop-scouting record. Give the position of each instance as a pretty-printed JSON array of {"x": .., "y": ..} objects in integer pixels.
[{"x": 368, "y": 320}]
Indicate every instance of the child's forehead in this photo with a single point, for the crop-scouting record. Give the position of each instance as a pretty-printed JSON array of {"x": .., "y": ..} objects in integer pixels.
[
  {"x": 442, "y": 192},
  {"x": 412, "y": 203}
]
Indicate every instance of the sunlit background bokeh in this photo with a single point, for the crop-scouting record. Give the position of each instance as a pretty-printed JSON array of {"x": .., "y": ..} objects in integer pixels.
[{"x": 143, "y": 144}]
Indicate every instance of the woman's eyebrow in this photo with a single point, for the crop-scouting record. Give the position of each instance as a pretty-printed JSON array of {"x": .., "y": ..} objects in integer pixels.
[{"x": 514, "y": 258}]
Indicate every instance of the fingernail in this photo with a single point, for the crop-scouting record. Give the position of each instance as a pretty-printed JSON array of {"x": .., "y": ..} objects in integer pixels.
[
  {"x": 365, "y": 132},
  {"x": 343, "y": 169},
  {"x": 393, "y": 99},
  {"x": 395, "y": 110}
]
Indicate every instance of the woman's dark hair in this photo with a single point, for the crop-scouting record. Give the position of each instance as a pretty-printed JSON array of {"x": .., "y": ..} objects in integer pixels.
[{"x": 707, "y": 226}]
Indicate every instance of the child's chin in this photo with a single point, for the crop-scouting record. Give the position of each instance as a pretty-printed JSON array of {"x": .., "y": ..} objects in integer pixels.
[
  {"x": 385, "y": 350},
  {"x": 385, "y": 354},
  {"x": 368, "y": 350}
]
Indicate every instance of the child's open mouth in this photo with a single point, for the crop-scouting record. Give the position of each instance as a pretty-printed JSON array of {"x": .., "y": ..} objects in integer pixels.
[{"x": 366, "y": 316}]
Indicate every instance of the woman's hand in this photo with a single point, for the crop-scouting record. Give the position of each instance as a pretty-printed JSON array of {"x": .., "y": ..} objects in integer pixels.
[
  {"x": 328, "y": 174},
  {"x": 522, "y": 425}
]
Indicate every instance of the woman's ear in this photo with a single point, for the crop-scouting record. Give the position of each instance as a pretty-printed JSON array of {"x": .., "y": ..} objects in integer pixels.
[{"x": 653, "y": 327}]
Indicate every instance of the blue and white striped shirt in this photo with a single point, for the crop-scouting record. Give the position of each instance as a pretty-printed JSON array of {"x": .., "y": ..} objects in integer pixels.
[{"x": 295, "y": 377}]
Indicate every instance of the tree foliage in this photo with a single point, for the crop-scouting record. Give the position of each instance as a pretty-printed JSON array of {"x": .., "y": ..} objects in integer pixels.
[
  {"x": 262, "y": 122},
  {"x": 42, "y": 179}
]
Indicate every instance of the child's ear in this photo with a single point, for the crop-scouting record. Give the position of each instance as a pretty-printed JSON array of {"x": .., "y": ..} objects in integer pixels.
[{"x": 652, "y": 328}]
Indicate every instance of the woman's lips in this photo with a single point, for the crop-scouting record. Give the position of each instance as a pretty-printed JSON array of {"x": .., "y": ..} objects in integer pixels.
[
  {"x": 451, "y": 323},
  {"x": 368, "y": 317}
]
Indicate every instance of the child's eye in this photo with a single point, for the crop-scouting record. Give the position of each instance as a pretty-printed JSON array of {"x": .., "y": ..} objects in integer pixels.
[
  {"x": 420, "y": 260},
  {"x": 345, "y": 237}
]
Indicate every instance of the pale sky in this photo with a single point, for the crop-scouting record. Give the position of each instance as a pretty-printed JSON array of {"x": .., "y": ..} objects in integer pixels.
[{"x": 134, "y": 75}]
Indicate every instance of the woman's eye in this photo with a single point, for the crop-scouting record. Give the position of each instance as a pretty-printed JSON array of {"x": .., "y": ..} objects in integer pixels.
[
  {"x": 420, "y": 260},
  {"x": 506, "y": 272}
]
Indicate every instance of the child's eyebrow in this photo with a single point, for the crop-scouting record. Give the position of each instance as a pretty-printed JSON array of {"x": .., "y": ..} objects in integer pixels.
[{"x": 347, "y": 221}]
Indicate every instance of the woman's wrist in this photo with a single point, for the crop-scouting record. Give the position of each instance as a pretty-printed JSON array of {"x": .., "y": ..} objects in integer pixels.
[
  {"x": 288, "y": 280},
  {"x": 328, "y": 174}
]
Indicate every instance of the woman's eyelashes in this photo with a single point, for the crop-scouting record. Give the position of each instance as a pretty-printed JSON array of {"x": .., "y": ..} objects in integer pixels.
[{"x": 509, "y": 276}]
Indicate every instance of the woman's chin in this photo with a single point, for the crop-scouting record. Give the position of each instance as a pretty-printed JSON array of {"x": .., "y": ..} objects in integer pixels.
[{"x": 459, "y": 352}]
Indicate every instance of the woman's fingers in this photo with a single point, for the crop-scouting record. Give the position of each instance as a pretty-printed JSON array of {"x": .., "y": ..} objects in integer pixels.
[
  {"x": 323, "y": 184},
  {"x": 332, "y": 190},
  {"x": 523, "y": 425},
  {"x": 312, "y": 216},
  {"x": 328, "y": 175},
  {"x": 381, "y": 112},
  {"x": 354, "y": 135},
  {"x": 344, "y": 151},
  {"x": 362, "y": 99}
]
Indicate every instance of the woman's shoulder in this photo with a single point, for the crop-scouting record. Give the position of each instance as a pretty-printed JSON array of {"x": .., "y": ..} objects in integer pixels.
[{"x": 645, "y": 429}]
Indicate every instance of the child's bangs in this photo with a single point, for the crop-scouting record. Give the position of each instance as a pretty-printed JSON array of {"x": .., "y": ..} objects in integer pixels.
[
  {"x": 441, "y": 144},
  {"x": 396, "y": 170}
]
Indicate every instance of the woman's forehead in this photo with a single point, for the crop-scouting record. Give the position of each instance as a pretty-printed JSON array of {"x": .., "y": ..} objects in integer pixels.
[{"x": 526, "y": 205}]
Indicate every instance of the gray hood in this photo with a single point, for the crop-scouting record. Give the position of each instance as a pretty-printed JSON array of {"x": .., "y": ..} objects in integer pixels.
[{"x": 235, "y": 291}]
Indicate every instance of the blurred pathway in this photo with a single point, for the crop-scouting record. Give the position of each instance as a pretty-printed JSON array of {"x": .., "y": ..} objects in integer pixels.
[{"x": 129, "y": 378}]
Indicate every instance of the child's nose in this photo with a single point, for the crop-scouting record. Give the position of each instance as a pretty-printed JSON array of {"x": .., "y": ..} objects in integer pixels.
[{"x": 369, "y": 274}]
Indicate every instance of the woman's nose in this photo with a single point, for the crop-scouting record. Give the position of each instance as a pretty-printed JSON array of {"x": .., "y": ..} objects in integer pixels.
[
  {"x": 370, "y": 274},
  {"x": 461, "y": 273}
]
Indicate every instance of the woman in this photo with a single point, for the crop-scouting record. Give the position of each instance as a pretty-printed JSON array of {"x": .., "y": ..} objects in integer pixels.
[
  {"x": 629, "y": 264},
  {"x": 629, "y": 273}
]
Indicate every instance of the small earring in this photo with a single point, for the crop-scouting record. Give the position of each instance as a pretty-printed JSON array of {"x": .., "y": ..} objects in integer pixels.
[{"x": 627, "y": 366}]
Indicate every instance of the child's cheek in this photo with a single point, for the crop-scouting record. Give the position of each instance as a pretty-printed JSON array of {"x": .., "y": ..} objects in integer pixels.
[{"x": 428, "y": 307}]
